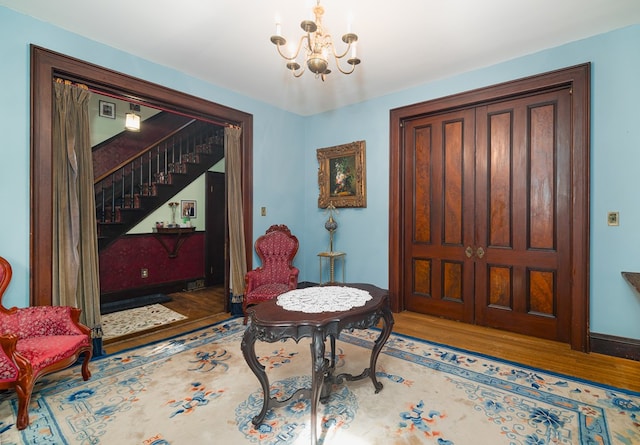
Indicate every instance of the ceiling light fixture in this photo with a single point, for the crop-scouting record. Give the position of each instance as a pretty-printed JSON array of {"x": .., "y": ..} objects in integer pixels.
[
  {"x": 131, "y": 119},
  {"x": 318, "y": 47}
]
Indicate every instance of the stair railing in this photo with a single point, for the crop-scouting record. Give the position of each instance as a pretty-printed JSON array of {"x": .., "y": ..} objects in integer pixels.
[{"x": 141, "y": 175}]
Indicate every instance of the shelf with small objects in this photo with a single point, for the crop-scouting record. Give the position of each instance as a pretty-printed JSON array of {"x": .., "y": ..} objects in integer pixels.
[{"x": 172, "y": 238}]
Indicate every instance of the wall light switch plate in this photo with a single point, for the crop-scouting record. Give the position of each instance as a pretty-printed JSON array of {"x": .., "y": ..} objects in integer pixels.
[
  {"x": 263, "y": 211},
  {"x": 613, "y": 218}
]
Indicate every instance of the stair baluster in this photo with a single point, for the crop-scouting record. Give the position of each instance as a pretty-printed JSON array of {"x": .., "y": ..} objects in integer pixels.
[{"x": 147, "y": 181}]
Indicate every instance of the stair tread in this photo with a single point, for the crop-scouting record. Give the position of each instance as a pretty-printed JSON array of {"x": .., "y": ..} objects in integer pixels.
[{"x": 152, "y": 195}]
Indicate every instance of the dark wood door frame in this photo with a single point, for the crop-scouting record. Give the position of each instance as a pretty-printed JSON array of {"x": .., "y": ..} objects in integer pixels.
[
  {"x": 45, "y": 65},
  {"x": 577, "y": 78}
]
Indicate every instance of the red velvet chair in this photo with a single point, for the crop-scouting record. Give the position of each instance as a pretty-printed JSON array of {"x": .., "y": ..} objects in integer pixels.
[
  {"x": 35, "y": 341},
  {"x": 276, "y": 249}
]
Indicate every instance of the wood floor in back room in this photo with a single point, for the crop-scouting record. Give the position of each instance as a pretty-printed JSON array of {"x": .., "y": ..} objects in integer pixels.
[{"x": 202, "y": 307}]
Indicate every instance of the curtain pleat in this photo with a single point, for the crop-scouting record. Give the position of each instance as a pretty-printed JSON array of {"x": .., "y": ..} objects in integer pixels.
[
  {"x": 237, "y": 259},
  {"x": 76, "y": 278}
]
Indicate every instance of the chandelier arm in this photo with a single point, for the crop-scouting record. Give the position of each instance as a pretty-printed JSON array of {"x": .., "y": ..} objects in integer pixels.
[
  {"x": 333, "y": 46},
  {"x": 341, "y": 55},
  {"x": 299, "y": 73},
  {"x": 353, "y": 67},
  {"x": 297, "y": 53},
  {"x": 284, "y": 56},
  {"x": 295, "y": 56}
]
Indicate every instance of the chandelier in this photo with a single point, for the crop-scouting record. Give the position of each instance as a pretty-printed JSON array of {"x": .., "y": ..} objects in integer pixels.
[{"x": 318, "y": 48}]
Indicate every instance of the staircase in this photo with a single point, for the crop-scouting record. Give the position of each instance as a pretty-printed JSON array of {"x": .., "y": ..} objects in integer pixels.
[{"x": 130, "y": 191}]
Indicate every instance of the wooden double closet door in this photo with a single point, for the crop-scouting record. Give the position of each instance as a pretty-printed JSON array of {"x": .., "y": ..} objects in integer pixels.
[{"x": 486, "y": 210}]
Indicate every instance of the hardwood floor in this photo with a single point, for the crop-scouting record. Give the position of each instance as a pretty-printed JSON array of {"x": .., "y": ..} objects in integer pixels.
[
  {"x": 538, "y": 353},
  {"x": 206, "y": 306},
  {"x": 202, "y": 307}
]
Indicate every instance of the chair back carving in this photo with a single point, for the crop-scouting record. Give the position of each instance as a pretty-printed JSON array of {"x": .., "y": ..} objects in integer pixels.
[
  {"x": 5, "y": 279},
  {"x": 276, "y": 250}
]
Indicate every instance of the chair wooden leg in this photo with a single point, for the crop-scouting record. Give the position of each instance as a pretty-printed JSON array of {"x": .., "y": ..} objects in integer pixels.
[
  {"x": 86, "y": 373},
  {"x": 24, "y": 399},
  {"x": 24, "y": 389},
  {"x": 244, "y": 309}
]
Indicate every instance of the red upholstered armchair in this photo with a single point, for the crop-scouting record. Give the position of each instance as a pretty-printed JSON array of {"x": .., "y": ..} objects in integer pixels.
[
  {"x": 35, "y": 341},
  {"x": 276, "y": 249}
]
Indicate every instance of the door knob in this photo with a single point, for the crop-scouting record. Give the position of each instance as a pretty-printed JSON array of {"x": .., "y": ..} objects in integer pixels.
[
  {"x": 468, "y": 252},
  {"x": 480, "y": 252}
]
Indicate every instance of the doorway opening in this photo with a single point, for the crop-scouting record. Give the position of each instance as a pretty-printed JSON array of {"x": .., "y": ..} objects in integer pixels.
[{"x": 46, "y": 64}]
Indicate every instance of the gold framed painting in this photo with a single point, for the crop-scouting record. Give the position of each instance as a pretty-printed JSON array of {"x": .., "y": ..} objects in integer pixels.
[{"x": 342, "y": 175}]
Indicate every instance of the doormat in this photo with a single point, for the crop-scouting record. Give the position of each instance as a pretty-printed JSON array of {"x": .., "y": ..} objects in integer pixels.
[
  {"x": 134, "y": 302},
  {"x": 118, "y": 324}
]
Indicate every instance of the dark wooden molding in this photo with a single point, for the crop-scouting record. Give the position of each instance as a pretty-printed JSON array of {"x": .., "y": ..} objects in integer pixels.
[
  {"x": 45, "y": 65},
  {"x": 615, "y": 346}
]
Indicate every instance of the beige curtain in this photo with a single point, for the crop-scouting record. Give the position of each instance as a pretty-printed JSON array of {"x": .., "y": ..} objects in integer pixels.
[
  {"x": 76, "y": 280},
  {"x": 237, "y": 259}
]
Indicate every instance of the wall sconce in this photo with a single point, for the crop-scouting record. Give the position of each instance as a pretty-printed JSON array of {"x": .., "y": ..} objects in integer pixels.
[{"x": 131, "y": 119}]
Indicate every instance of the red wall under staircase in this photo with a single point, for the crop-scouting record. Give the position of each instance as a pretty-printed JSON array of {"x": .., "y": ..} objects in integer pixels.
[{"x": 121, "y": 263}]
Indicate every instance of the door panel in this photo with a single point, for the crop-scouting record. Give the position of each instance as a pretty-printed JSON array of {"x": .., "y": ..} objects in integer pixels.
[
  {"x": 216, "y": 238},
  {"x": 439, "y": 196},
  {"x": 521, "y": 207}
]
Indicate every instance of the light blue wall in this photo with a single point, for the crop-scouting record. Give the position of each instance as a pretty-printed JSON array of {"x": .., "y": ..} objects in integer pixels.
[
  {"x": 285, "y": 165},
  {"x": 615, "y": 162}
]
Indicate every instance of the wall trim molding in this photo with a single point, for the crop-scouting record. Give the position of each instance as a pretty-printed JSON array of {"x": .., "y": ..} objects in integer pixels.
[{"x": 615, "y": 346}]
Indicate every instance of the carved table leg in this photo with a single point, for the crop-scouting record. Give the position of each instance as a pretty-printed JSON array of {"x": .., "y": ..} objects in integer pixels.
[
  {"x": 387, "y": 317},
  {"x": 328, "y": 375},
  {"x": 249, "y": 352},
  {"x": 333, "y": 350},
  {"x": 319, "y": 369}
]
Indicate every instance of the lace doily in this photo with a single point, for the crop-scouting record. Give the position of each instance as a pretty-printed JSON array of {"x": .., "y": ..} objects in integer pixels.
[{"x": 314, "y": 300}]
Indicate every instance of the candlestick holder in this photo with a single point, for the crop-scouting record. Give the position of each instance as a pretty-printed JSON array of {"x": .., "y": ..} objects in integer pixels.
[{"x": 331, "y": 225}]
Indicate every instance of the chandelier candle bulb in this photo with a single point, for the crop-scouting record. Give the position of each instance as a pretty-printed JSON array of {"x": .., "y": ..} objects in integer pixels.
[{"x": 278, "y": 30}]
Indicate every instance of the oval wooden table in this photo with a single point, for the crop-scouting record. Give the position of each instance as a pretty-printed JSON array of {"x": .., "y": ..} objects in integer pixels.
[{"x": 269, "y": 322}]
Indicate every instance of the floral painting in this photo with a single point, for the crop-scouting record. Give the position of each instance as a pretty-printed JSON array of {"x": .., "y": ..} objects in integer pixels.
[{"x": 341, "y": 175}]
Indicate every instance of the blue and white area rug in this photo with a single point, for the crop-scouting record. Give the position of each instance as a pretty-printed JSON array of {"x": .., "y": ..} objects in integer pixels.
[{"x": 197, "y": 389}]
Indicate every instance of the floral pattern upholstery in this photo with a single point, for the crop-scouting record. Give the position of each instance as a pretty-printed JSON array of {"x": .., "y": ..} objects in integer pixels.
[
  {"x": 277, "y": 275},
  {"x": 8, "y": 369},
  {"x": 38, "y": 321},
  {"x": 35, "y": 341}
]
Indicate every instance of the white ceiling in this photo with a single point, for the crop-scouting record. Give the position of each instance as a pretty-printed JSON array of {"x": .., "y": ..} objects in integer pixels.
[{"x": 401, "y": 43}]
